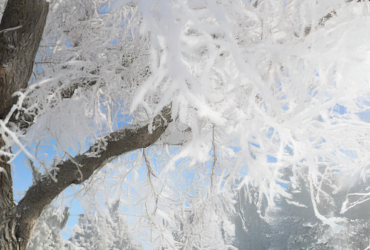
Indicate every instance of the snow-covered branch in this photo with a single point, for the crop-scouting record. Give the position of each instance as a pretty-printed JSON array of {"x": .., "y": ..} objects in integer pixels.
[{"x": 79, "y": 168}]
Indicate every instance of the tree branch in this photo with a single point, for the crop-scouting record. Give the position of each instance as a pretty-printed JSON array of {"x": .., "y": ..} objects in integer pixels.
[
  {"x": 25, "y": 120},
  {"x": 214, "y": 156},
  {"x": 78, "y": 169}
]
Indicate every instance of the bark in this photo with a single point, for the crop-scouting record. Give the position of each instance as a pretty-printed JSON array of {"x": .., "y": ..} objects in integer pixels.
[
  {"x": 21, "y": 31},
  {"x": 6, "y": 183},
  {"x": 6, "y": 201}
]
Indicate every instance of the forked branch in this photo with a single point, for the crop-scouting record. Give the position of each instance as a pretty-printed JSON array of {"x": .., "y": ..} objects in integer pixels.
[{"x": 78, "y": 169}]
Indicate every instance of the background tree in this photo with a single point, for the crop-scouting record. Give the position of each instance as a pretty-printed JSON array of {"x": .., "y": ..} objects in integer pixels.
[
  {"x": 47, "y": 232},
  {"x": 252, "y": 231},
  {"x": 93, "y": 231},
  {"x": 96, "y": 232}
]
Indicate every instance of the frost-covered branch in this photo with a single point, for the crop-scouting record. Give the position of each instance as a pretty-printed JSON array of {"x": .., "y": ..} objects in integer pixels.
[{"x": 69, "y": 171}]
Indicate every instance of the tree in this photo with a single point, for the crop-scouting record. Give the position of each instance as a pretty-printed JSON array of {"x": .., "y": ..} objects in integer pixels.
[
  {"x": 201, "y": 98},
  {"x": 47, "y": 232},
  {"x": 292, "y": 223},
  {"x": 95, "y": 232},
  {"x": 21, "y": 31},
  {"x": 252, "y": 231}
]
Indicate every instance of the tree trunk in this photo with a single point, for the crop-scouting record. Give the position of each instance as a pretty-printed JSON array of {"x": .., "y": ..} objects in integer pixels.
[
  {"x": 9, "y": 238},
  {"x": 21, "y": 30},
  {"x": 6, "y": 204}
]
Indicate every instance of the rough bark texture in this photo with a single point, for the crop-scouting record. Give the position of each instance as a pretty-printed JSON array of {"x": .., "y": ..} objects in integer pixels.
[
  {"x": 6, "y": 191},
  {"x": 21, "y": 31},
  {"x": 6, "y": 202}
]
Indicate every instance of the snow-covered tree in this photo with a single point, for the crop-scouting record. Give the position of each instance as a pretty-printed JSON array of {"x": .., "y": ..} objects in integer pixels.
[
  {"x": 94, "y": 231},
  {"x": 252, "y": 232},
  {"x": 205, "y": 226},
  {"x": 47, "y": 232},
  {"x": 171, "y": 106},
  {"x": 292, "y": 223}
]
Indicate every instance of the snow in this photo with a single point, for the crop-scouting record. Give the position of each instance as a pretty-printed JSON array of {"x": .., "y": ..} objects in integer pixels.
[{"x": 285, "y": 109}]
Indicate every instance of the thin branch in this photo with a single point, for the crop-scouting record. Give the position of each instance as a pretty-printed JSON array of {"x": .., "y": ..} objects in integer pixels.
[
  {"x": 322, "y": 23},
  {"x": 214, "y": 156},
  {"x": 150, "y": 170},
  {"x": 150, "y": 173},
  {"x": 36, "y": 175}
]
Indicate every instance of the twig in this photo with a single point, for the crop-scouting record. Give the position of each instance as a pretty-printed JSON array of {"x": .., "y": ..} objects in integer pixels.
[{"x": 214, "y": 156}]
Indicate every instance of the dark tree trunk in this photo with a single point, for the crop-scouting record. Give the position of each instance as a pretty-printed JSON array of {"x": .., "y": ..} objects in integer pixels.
[
  {"x": 21, "y": 31},
  {"x": 6, "y": 204}
]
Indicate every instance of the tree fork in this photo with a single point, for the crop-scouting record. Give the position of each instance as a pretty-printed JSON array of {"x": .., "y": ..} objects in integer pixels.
[{"x": 78, "y": 169}]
